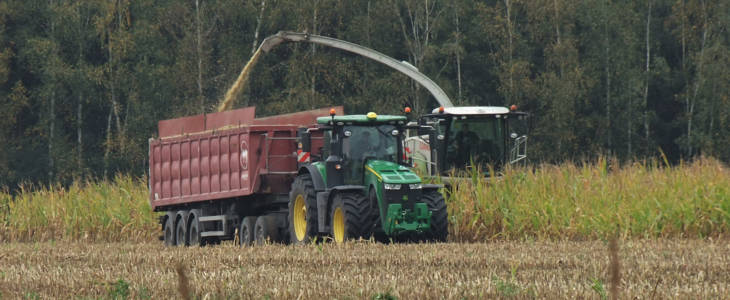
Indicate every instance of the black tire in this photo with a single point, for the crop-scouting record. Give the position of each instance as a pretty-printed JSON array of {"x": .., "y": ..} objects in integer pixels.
[
  {"x": 439, "y": 230},
  {"x": 377, "y": 228},
  {"x": 194, "y": 238},
  {"x": 245, "y": 231},
  {"x": 169, "y": 232},
  {"x": 304, "y": 188},
  {"x": 265, "y": 230},
  {"x": 180, "y": 233},
  {"x": 357, "y": 219}
]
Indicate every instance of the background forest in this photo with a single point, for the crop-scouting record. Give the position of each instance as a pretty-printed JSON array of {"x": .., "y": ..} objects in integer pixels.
[{"x": 83, "y": 83}]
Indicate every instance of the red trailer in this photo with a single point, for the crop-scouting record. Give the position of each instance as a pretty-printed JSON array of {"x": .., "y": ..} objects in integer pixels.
[{"x": 217, "y": 172}]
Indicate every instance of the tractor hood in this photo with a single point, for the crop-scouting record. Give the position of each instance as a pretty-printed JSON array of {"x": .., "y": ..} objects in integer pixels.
[{"x": 390, "y": 172}]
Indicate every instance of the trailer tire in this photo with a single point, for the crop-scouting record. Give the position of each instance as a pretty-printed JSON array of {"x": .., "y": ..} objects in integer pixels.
[
  {"x": 439, "y": 230},
  {"x": 350, "y": 217},
  {"x": 194, "y": 238},
  {"x": 169, "y": 232},
  {"x": 266, "y": 229},
  {"x": 302, "y": 217},
  {"x": 180, "y": 233},
  {"x": 245, "y": 232}
]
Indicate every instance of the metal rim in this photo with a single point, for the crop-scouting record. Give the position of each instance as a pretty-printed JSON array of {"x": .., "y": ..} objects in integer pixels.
[
  {"x": 193, "y": 234},
  {"x": 338, "y": 225},
  {"x": 245, "y": 235},
  {"x": 169, "y": 236},
  {"x": 261, "y": 237},
  {"x": 180, "y": 235},
  {"x": 300, "y": 217}
]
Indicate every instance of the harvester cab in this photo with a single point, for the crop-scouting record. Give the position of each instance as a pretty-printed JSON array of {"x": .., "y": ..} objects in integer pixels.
[
  {"x": 362, "y": 185},
  {"x": 469, "y": 138}
]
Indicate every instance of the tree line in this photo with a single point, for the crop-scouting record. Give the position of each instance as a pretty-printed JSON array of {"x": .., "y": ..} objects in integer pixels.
[{"x": 83, "y": 83}]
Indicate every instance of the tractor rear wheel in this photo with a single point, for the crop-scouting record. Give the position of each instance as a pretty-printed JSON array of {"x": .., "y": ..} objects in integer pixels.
[
  {"x": 245, "y": 231},
  {"x": 169, "y": 232},
  {"x": 350, "y": 217},
  {"x": 266, "y": 230},
  {"x": 439, "y": 230},
  {"x": 302, "y": 210}
]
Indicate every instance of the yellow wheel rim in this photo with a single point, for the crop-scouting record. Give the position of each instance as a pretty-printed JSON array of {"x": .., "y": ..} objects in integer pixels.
[
  {"x": 300, "y": 217},
  {"x": 338, "y": 225}
]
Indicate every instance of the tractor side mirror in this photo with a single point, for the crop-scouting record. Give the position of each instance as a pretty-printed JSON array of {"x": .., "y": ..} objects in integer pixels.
[{"x": 306, "y": 141}]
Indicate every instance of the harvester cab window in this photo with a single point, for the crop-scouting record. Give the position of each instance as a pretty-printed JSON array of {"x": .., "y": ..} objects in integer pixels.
[{"x": 477, "y": 140}]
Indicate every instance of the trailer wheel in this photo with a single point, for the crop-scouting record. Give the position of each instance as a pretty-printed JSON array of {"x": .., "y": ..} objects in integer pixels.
[
  {"x": 351, "y": 218},
  {"x": 180, "y": 236},
  {"x": 245, "y": 232},
  {"x": 169, "y": 232},
  {"x": 302, "y": 210},
  {"x": 266, "y": 229},
  {"x": 439, "y": 230},
  {"x": 194, "y": 233}
]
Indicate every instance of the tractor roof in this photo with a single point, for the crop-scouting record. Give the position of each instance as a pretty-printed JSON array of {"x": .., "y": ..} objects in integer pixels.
[
  {"x": 473, "y": 110},
  {"x": 362, "y": 119}
]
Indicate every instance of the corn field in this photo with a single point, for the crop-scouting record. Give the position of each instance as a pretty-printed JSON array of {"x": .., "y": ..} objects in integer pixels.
[{"x": 550, "y": 202}]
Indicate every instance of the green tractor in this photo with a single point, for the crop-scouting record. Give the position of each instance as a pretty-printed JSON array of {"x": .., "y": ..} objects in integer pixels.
[{"x": 358, "y": 184}]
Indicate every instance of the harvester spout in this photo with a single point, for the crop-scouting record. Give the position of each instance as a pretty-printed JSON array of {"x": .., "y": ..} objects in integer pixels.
[{"x": 287, "y": 36}]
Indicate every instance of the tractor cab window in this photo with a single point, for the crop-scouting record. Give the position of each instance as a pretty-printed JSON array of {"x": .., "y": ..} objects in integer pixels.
[
  {"x": 475, "y": 139},
  {"x": 367, "y": 142}
]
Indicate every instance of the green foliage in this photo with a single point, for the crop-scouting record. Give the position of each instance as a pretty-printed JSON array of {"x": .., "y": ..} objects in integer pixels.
[
  {"x": 598, "y": 286},
  {"x": 384, "y": 296},
  {"x": 119, "y": 290},
  {"x": 506, "y": 288}
]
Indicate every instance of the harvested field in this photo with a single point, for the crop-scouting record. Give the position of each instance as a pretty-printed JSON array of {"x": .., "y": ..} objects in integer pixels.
[{"x": 648, "y": 269}]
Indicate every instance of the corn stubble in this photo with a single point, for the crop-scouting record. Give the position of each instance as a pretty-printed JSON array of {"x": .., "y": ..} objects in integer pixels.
[{"x": 660, "y": 269}]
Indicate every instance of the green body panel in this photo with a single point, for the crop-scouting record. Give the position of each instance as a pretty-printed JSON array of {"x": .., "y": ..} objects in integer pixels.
[
  {"x": 399, "y": 220},
  {"x": 391, "y": 172},
  {"x": 361, "y": 119},
  {"x": 322, "y": 170}
]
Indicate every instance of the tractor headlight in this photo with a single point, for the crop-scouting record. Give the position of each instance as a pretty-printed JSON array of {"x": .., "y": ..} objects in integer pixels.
[
  {"x": 391, "y": 186},
  {"x": 415, "y": 186}
]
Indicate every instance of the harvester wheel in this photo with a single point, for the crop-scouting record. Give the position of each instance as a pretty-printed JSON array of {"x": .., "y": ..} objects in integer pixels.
[
  {"x": 170, "y": 232},
  {"x": 439, "y": 216},
  {"x": 245, "y": 232},
  {"x": 180, "y": 236},
  {"x": 266, "y": 230},
  {"x": 350, "y": 217},
  {"x": 194, "y": 233},
  {"x": 302, "y": 210}
]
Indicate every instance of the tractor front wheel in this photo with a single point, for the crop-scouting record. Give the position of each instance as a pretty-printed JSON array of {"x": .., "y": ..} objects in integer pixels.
[
  {"x": 350, "y": 217},
  {"x": 439, "y": 230}
]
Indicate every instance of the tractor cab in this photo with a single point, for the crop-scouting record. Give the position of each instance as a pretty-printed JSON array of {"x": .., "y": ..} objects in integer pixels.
[{"x": 466, "y": 138}]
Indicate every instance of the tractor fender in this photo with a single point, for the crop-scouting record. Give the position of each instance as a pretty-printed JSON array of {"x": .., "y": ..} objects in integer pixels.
[
  {"x": 324, "y": 203},
  {"x": 317, "y": 180}
]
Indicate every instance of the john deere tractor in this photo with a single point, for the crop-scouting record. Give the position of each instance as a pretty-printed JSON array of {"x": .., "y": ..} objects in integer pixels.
[{"x": 358, "y": 184}]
